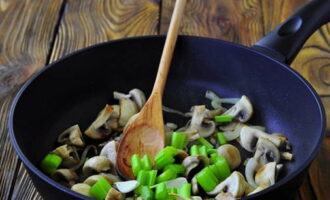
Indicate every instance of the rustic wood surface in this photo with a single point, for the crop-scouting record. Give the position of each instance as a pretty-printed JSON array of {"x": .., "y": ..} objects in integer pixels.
[{"x": 36, "y": 32}]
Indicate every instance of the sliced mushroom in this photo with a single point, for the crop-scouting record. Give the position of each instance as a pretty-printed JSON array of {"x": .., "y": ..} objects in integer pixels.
[
  {"x": 94, "y": 178},
  {"x": 234, "y": 184},
  {"x": 126, "y": 186},
  {"x": 216, "y": 102},
  {"x": 194, "y": 186},
  {"x": 82, "y": 188},
  {"x": 96, "y": 164},
  {"x": 267, "y": 174},
  {"x": 225, "y": 196},
  {"x": 110, "y": 151},
  {"x": 266, "y": 152},
  {"x": 181, "y": 155},
  {"x": 232, "y": 130},
  {"x": 135, "y": 94},
  {"x": 258, "y": 189},
  {"x": 287, "y": 156},
  {"x": 68, "y": 154},
  {"x": 249, "y": 138},
  {"x": 114, "y": 194},
  {"x": 231, "y": 154},
  {"x": 138, "y": 97},
  {"x": 176, "y": 183},
  {"x": 205, "y": 128},
  {"x": 100, "y": 129},
  {"x": 210, "y": 114},
  {"x": 171, "y": 126},
  {"x": 128, "y": 108},
  {"x": 65, "y": 177},
  {"x": 251, "y": 168},
  {"x": 242, "y": 110},
  {"x": 193, "y": 164},
  {"x": 72, "y": 136},
  {"x": 249, "y": 188}
]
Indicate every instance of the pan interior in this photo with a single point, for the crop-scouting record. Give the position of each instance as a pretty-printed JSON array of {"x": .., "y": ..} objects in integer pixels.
[{"x": 76, "y": 88}]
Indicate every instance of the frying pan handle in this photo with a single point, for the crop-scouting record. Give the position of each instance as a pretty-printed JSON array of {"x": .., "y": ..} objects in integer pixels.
[{"x": 285, "y": 41}]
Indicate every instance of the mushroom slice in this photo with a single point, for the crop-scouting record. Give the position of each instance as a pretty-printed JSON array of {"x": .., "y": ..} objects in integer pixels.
[
  {"x": 65, "y": 176},
  {"x": 205, "y": 128},
  {"x": 242, "y": 110},
  {"x": 252, "y": 166},
  {"x": 266, "y": 175},
  {"x": 99, "y": 129},
  {"x": 231, "y": 154},
  {"x": 81, "y": 188},
  {"x": 234, "y": 184},
  {"x": 258, "y": 189},
  {"x": 110, "y": 151},
  {"x": 287, "y": 156},
  {"x": 225, "y": 196},
  {"x": 215, "y": 99},
  {"x": 171, "y": 126},
  {"x": 194, "y": 186},
  {"x": 249, "y": 138},
  {"x": 68, "y": 154},
  {"x": 72, "y": 136},
  {"x": 127, "y": 109},
  {"x": 126, "y": 186},
  {"x": 94, "y": 178},
  {"x": 138, "y": 97},
  {"x": 114, "y": 194},
  {"x": 135, "y": 94},
  {"x": 232, "y": 130},
  {"x": 96, "y": 164},
  {"x": 176, "y": 183},
  {"x": 193, "y": 164},
  {"x": 266, "y": 152}
]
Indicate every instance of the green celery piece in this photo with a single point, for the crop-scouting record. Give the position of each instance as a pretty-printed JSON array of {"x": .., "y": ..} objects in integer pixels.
[
  {"x": 50, "y": 163},
  {"x": 100, "y": 189},
  {"x": 223, "y": 118}
]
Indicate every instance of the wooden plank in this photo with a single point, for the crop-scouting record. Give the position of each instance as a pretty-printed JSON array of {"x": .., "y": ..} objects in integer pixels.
[
  {"x": 94, "y": 21},
  {"x": 306, "y": 190},
  {"x": 319, "y": 172},
  {"x": 8, "y": 159},
  {"x": 24, "y": 188},
  {"x": 88, "y": 22},
  {"x": 25, "y": 38},
  {"x": 24, "y": 50},
  {"x": 326, "y": 104},
  {"x": 236, "y": 21}
]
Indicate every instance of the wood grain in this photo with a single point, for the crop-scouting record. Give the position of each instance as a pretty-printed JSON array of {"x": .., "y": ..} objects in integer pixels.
[
  {"x": 8, "y": 158},
  {"x": 236, "y": 21},
  {"x": 320, "y": 171},
  {"x": 326, "y": 104},
  {"x": 306, "y": 191},
  {"x": 24, "y": 188},
  {"x": 26, "y": 32},
  {"x": 94, "y": 21}
]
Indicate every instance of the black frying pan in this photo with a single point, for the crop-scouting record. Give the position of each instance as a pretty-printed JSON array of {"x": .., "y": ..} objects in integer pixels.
[{"x": 74, "y": 89}]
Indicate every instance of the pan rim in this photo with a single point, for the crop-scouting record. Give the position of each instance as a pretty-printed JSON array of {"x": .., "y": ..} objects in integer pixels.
[{"x": 36, "y": 171}]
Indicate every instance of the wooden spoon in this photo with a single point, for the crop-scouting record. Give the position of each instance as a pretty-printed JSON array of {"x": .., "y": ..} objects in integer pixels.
[{"x": 144, "y": 133}]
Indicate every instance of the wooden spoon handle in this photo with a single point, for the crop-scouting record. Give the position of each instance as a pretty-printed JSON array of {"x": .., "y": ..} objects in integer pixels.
[{"x": 169, "y": 46}]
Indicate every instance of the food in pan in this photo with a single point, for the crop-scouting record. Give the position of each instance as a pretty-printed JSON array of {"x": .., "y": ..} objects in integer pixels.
[{"x": 203, "y": 159}]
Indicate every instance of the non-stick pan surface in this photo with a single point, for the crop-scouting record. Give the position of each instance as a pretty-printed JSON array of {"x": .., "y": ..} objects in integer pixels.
[{"x": 74, "y": 89}]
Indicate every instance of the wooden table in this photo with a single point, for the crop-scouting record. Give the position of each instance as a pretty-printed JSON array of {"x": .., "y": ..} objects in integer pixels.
[{"x": 34, "y": 33}]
